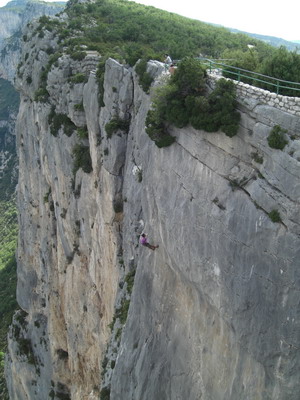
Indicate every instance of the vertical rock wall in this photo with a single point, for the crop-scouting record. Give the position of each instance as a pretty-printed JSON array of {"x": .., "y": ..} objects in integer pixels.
[
  {"x": 70, "y": 233},
  {"x": 213, "y": 312}
]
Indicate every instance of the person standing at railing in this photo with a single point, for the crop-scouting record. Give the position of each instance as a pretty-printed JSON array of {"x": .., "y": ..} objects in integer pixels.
[
  {"x": 167, "y": 61},
  {"x": 172, "y": 69}
]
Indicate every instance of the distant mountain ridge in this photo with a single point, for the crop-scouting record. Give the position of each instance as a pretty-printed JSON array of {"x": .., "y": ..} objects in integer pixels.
[
  {"x": 272, "y": 40},
  {"x": 293, "y": 45}
]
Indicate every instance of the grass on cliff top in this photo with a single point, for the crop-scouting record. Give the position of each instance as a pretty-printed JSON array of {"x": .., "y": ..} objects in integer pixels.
[
  {"x": 130, "y": 31},
  {"x": 134, "y": 31}
]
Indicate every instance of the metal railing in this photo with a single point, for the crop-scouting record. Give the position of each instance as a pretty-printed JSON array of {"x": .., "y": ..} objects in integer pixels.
[{"x": 275, "y": 85}]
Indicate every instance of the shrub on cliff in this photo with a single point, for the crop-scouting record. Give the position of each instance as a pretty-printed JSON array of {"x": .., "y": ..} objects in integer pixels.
[
  {"x": 78, "y": 55},
  {"x": 145, "y": 79},
  {"x": 277, "y": 139},
  {"x": 155, "y": 128},
  {"x": 217, "y": 111},
  {"x": 100, "y": 80},
  {"x": 82, "y": 132},
  {"x": 41, "y": 95},
  {"x": 82, "y": 158},
  {"x": 78, "y": 78},
  {"x": 184, "y": 100},
  {"x": 116, "y": 124},
  {"x": 275, "y": 216},
  {"x": 79, "y": 107},
  {"x": 58, "y": 121}
]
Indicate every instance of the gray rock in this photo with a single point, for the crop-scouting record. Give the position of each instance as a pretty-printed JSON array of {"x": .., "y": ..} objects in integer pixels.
[{"x": 214, "y": 310}]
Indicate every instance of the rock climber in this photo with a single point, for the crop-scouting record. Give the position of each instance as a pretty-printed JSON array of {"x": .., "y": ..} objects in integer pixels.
[{"x": 144, "y": 242}]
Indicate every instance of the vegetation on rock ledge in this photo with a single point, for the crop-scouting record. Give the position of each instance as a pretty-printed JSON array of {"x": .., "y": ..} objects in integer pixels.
[
  {"x": 184, "y": 100},
  {"x": 82, "y": 158},
  {"x": 277, "y": 139}
]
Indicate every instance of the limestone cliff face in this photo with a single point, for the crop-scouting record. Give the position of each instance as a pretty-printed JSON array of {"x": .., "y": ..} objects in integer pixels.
[
  {"x": 13, "y": 18},
  {"x": 214, "y": 312}
]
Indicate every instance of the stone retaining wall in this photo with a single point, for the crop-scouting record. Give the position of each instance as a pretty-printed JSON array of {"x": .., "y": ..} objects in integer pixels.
[{"x": 284, "y": 103}]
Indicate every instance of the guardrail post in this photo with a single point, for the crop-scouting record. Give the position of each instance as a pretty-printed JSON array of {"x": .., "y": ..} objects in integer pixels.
[{"x": 277, "y": 87}]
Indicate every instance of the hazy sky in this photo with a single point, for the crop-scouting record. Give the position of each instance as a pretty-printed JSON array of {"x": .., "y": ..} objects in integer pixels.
[{"x": 265, "y": 17}]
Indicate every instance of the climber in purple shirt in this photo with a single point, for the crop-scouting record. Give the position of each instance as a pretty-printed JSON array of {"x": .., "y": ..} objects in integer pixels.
[{"x": 144, "y": 242}]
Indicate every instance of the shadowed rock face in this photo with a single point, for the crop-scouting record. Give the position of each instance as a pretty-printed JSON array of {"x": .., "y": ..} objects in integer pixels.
[{"x": 213, "y": 311}]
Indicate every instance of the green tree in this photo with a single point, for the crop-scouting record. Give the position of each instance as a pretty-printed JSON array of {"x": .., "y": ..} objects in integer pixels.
[
  {"x": 277, "y": 138},
  {"x": 190, "y": 77},
  {"x": 245, "y": 59},
  {"x": 184, "y": 100},
  {"x": 284, "y": 65},
  {"x": 222, "y": 108}
]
